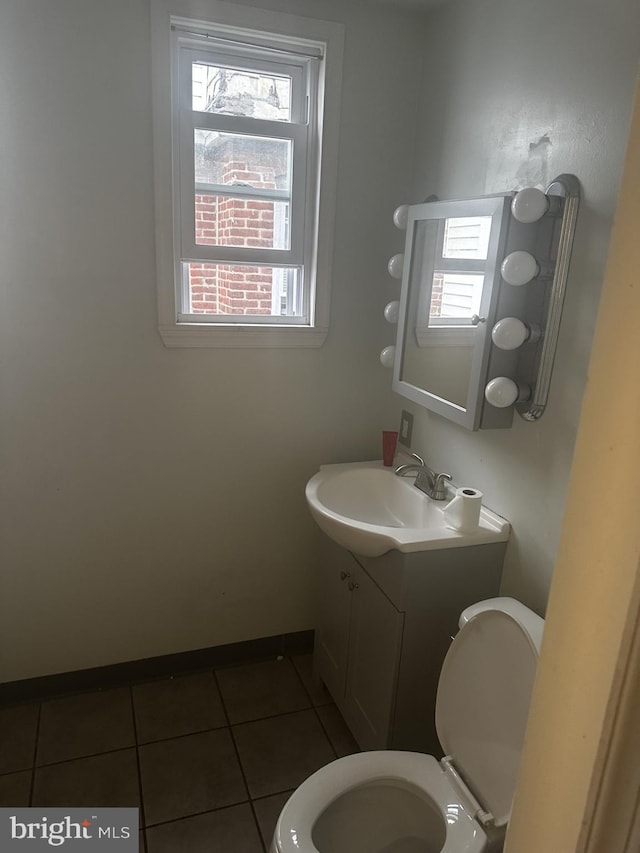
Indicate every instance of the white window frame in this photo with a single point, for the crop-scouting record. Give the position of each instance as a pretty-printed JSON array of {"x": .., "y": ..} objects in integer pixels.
[
  {"x": 452, "y": 331},
  {"x": 298, "y": 41}
]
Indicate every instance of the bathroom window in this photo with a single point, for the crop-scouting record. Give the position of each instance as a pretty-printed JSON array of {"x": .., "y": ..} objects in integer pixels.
[
  {"x": 249, "y": 112},
  {"x": 445, "y": 315},
  {"x": 458, "y": 279}
]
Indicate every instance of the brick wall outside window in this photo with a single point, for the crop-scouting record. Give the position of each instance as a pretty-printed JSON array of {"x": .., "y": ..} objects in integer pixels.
[
  {"x": 436, "y": 295},
  {"x": 225, "y": 221}
]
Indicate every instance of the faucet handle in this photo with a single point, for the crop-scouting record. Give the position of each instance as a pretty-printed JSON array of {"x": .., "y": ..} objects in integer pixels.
[{"x": 439, "y": 489}]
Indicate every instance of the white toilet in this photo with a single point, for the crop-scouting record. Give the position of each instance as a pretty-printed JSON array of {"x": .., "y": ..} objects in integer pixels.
[{"x": 408, "y": 802}]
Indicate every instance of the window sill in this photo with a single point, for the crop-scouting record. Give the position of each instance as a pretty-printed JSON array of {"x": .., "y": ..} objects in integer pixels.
[{"x": 259, "y": 337}]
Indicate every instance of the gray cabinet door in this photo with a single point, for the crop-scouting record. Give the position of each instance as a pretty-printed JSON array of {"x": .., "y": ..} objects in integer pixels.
[
  {"x": 333, "y": 617},
  {"x": 372, "y": 670}
]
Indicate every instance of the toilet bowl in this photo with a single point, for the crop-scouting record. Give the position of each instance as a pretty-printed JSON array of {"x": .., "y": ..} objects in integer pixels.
[
  {"x": 389, "y": 801},
  {"x": 396, "y": 802}
]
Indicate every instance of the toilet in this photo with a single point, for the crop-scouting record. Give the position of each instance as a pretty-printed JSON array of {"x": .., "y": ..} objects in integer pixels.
[{"x": 388, "y": 801}]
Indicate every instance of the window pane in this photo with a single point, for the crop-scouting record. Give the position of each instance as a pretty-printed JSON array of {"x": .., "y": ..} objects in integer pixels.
[
  {"x": 238, "y": 160},
  {"x": 237, "y": 92},
  {"x": 244, "y": 290},
  {"x": 227, "y": 221},
  {"x": 467, "y": 237},
  {"x": 455, "y": 296}
]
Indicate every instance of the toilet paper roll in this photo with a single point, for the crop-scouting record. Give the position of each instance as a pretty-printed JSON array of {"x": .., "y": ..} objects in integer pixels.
[{"x": 463, "y": 513}]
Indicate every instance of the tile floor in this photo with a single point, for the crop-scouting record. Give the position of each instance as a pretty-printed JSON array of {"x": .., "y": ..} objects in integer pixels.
[{"x": 209, "y": 758}]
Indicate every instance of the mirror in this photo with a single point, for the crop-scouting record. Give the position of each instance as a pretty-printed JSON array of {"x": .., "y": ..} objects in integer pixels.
[
  {"x": 448, "y": 303},
  {"x": 483, "y": 285}
]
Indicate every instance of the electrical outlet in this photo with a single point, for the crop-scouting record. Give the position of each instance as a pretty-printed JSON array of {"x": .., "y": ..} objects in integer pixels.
[{"x": 406, "y": 428}]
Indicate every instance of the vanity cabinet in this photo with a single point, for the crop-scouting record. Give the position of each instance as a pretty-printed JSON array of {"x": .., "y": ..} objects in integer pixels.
[{"x": 384, "y": 625}]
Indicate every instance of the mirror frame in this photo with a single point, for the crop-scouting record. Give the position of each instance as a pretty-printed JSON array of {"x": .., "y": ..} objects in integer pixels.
[{"x": 414, "y": 273}]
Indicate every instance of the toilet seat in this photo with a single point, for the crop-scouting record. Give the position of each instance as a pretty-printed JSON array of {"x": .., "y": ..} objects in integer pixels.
[
  {"x": 482, "y": 705},
  {"x": 416, "y": 771}
]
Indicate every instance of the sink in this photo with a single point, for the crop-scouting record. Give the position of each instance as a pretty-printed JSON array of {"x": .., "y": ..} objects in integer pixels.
[{"x": 367, "y": 509}]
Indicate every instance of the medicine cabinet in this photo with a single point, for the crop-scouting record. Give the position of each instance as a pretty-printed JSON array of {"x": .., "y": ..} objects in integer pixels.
[{"x": 483, "y": 283}]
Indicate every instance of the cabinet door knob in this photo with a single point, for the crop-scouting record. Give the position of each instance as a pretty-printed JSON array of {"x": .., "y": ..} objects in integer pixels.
[
  {"x": 344, "y": 575},
  {"x": 353, "y": 585}
]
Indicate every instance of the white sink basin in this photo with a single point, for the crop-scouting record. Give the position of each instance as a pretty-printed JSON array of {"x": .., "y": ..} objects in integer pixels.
[{"x": 367, "y": 509}]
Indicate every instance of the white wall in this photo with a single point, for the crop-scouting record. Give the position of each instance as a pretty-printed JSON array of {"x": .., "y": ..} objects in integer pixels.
[
  {"x": 152, "y": 499},
  {"x": 516, "y": 93}
]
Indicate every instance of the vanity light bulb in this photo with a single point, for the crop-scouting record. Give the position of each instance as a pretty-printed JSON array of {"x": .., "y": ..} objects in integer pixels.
[
  {"x": 388, "y": 356},
  {"x": 401, "y": 216},
  {"x": 501, "y": 392},
  {"x": 395, "y": 266},
  {"x": 529, "y": 205},
  {"x": 391, "y": 311},
  {"x": 509, "y": 333},
  {"x": 519, "y": 268}
]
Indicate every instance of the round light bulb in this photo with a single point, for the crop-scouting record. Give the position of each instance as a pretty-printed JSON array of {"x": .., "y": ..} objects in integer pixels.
[
  {"x": 401, "y": 216},
  {"x": 519, "y": 268},
  {"x": 529, "y": 205},
  {"x": 391, "y": 311},
  {"x": 501, "y": 392},
  {"x": 395, "y": 266},
  {"x": 388, "y": 356},
  {"x": 509, "y": 333}
]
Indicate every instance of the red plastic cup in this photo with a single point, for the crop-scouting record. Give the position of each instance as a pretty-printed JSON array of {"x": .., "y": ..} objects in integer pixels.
[{"x": 389, "y": 442}]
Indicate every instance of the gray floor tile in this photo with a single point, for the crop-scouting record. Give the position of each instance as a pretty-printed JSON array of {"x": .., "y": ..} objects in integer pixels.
[
  {"x": 316, "y": 689},
  {"x": 229, "y": 830},
  {"x": 18, "y": 727},
  {"x": 194, "y": 792},
  {"x": 261, "y": 690},
  {"x": 339, "y": 734},
  {"x": 86, "y": 724},
  {"x": 15, "y": 789},
  {"x": 268, "y": 811},
  {"x": 280, "y": 752},
  {"x": 177, "y": 706},
  {"x": 108, "y": 780},
  {"x": 188, "y": 775}
]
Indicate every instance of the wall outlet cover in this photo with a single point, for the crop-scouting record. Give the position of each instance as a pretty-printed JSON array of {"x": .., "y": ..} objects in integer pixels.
[{"x": 406, "y": 428}]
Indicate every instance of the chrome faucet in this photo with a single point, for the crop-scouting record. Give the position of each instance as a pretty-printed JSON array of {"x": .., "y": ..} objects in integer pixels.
[{"x": 432, "y": 484}]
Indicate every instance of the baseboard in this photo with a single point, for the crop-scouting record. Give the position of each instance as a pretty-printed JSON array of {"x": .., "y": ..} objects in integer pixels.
[{"x": 130, "y": 672}]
